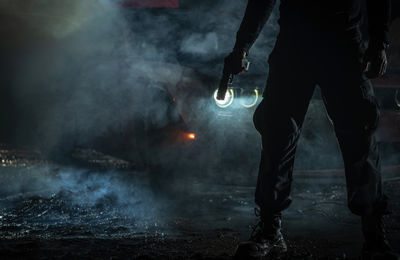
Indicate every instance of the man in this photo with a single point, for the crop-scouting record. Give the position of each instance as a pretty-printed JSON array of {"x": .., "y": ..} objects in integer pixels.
[{"x": 319, "y": 43}]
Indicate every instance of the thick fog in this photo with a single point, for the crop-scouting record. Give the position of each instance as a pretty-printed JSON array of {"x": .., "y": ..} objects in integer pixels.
[
  {"x": 76, "y": 72},
  {"x": 84, "y": 69}
]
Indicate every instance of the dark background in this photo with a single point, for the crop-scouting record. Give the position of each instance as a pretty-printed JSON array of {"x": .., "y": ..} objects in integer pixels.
[{"x": 94, "y": 99}]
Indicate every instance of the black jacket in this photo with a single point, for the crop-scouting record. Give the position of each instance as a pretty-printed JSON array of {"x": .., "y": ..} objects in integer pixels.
[{"x": 304, "y": 18}]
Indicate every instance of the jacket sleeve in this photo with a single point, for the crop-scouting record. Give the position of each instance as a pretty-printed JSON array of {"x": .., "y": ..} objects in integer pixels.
[
  {"x": 379, "y": 12},
  {"x": 255, "y": 17}
]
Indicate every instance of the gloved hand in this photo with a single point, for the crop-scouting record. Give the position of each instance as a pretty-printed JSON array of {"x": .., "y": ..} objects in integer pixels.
[
  {"x": 233, "y": 63},
  {"x": 375, "y": 63}
]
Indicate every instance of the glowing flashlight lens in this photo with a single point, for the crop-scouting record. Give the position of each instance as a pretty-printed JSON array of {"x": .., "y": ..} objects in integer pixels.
[
  {"x": 228, "y": 100},
  {"x": 249, "y": 98}
]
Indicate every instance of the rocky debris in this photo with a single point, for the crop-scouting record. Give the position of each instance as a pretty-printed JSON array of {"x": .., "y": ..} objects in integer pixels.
[
  {"x": 92, "y": 158},
  {"x": 85, "y": 157},
  {"x": 203, "y": 221},
  {"x": 12, "y": 157}
]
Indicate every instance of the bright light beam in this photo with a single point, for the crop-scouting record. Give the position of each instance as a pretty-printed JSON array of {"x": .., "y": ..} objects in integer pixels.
[
  {"x": 228, "y": 100},
  {"x": 252, "y": 104}
]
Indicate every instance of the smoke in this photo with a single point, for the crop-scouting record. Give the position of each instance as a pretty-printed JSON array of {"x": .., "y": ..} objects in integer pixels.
[
  {"x": 56, "y": 19},
  {"x": 84, "y": 187},
  {"x": 79, "y": 71},
  {"x": 88, "y": 70},
  {"x": 76, "y": 202},
  {"x": 198, "y": 44},
  {"x": 83, "y": 70}
]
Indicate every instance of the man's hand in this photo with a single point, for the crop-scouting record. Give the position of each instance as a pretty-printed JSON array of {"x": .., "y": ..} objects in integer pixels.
[
  {"x": 375, "y": 63},
  {"x": 234, "y": 63}
]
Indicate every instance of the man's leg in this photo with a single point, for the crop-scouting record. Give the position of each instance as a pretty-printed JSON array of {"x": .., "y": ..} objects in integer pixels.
[
  {"x": 278, "y": 119},
  {"x": 351, "y": 104},
  {"x": 355, "y": 116}
]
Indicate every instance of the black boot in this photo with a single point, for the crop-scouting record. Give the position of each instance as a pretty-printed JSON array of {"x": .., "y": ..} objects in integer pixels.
[
  {"x": 265, "y": 240},
  {"x": 376, "y": 245}
]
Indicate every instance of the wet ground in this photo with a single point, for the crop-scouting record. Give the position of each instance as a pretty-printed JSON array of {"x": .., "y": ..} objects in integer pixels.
[{"x": 50, "y": 211}]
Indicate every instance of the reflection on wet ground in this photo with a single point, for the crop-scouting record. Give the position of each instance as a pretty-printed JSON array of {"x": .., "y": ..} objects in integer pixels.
[{"x": 50, "y": 211}]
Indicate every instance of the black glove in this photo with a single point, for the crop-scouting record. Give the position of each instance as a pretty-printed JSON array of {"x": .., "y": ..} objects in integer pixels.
[
  {"x": 234, "y": 62},
  {"x": 375, "y": 62}
]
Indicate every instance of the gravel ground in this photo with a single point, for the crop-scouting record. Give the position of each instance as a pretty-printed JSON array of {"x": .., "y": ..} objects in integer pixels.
[{"x": 54, "y": 212}]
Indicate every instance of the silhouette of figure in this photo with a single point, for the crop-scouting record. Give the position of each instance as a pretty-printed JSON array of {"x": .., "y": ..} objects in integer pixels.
[{"x": 319, "y": 43}]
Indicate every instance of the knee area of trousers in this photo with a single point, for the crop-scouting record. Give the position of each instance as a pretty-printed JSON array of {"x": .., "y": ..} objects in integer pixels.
[
  {"x": 278, "y": 137},
  {"x": 274, "y": 125},
  {"x": 279, "y": 132},
  {"x": 364, "y": 125}
]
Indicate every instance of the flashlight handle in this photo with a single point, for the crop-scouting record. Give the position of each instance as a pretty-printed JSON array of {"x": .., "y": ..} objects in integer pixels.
[{"x": 226, "y": 80}]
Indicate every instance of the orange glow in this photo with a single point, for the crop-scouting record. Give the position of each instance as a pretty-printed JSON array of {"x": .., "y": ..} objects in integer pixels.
[{"x": 191, "y": 136}]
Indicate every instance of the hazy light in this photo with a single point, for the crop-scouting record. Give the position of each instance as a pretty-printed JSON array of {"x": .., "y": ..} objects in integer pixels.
[
  {"x": 249, "y": 100},
  {"x": 228, "y": 100}
]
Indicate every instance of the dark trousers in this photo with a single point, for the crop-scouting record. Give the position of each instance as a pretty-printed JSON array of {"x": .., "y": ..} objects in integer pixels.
[{"x": 335, "y": 65}]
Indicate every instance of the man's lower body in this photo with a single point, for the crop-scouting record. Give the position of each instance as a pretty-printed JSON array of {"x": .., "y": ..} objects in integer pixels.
[{"x": 350, "y": 102}]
